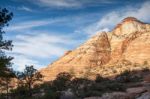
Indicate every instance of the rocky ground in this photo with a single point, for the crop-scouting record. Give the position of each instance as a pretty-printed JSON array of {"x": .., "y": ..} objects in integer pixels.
[{"x": 139, "y": 90}]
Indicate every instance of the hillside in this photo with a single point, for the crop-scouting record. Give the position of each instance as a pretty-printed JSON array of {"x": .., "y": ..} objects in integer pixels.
[{"x": 126, "y": 47}]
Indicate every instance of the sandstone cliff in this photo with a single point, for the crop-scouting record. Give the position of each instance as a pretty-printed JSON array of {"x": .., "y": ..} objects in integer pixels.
[{"x": 129, "y": 40}]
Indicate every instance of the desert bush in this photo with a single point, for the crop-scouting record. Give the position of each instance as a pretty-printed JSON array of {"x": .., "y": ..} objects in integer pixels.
[
  {"x": 100, "y": 78},
  {"x": 146, "y": 69},
  {"x": 86, "y": 88},
  {"x": 62, "y": 81},
  {"x": 81, "y": 86},
  {"x": 127, "y": 76},
  {"x": 108, "y": 86},
  {"x": 145, "y": 63}
]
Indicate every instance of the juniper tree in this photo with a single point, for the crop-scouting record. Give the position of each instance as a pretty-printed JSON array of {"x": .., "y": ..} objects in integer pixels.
[
  {"x": 5, "y": 61},
  {"x": 30, "y": 77}
]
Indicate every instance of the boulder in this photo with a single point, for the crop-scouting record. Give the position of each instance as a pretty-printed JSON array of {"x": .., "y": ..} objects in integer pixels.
[
  {"x": 115, "y": 95},
  {"x": 67, "y": 95},
  {"x": 147, "y": 78},
  {"x": 147, "y": 86},
  {"x": 92, "y": 98},
  {"x": 136, "y": 90},
  {"x": 144, "y": 96}
]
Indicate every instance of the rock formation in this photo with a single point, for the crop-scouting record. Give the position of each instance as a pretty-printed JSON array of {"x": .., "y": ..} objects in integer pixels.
[{"x": 129, "y": 40}]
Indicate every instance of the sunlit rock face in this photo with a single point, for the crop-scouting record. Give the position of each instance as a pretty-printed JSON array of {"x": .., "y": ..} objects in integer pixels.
[
  {"x": 95, "y": 52},
  {"x": 129, "y": 40},
  {"x": 130, "y": 25}
]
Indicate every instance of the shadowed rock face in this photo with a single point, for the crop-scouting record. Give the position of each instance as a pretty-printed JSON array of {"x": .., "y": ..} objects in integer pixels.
[{"x": 130, "y": 40}]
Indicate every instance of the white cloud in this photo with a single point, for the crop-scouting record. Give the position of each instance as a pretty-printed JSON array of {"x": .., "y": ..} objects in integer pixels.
[
  {"x": 42, "y": 45},
  {"x": 58, "y": 3},
  {"x": 20, "y": 62},
  {"x": 30, "y": 44},
  {"x": 24, "y": 8},
  {"x": 31, "y": 24},
  {"x": 70, "y": 3},
  {"x": 28, "y": 48},
  {"x": 110, "y": 20}
]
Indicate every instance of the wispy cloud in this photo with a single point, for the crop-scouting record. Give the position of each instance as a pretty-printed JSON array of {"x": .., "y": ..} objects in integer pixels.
[
  {"x": 21, "y": 60},
  {"x": 70, "y": 3},
  {"x": 42, "y": 45},
  {"x": 108, "y": 21},
  {"x": 32, "y": 24},
  {"x": 25, "y": 8},
  {"x": 58, "y": 3},
  {"x": 30, "y": 43},
  {"x": 27, "y": 48}
]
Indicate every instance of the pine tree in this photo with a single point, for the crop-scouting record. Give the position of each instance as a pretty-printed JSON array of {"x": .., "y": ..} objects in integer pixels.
[
  {"x": 5, "y": 61},
  {"x": 30, "y": 76}
]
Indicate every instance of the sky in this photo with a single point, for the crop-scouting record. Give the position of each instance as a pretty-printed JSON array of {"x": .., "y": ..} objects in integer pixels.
[{"x": 43, "y": 30}]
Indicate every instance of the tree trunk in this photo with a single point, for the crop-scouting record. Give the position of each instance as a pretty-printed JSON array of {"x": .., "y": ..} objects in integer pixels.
[
  {"x": 30, "y": 91},
  {"x": 7, "y": 87}
]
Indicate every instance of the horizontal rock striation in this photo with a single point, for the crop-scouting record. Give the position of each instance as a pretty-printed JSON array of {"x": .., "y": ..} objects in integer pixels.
[{"x": 129, "y": 40}]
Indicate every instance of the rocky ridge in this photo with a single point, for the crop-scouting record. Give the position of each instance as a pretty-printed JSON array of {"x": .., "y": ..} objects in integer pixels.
[{"x": 125, "y": 47}]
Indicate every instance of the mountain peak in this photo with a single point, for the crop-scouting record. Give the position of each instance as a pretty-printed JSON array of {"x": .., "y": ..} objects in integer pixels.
[
  {"x": 128, "y": 19},
  {"x": 129, "y": 41},
  {"x": 130, "y": 25}
]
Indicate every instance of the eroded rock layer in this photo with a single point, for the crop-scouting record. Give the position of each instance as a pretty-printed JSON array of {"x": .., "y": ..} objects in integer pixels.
[{"x": 129, "y": 40}]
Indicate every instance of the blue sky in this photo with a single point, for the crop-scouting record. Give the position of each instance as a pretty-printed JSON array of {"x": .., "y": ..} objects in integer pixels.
[{"x": 42, "y": 30}]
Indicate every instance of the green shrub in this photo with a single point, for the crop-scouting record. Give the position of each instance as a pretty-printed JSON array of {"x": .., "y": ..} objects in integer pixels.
[
  {"x": 127, "y": 77},
  {"x": 100, "y": 78},
  {"x": 62, "y": 81}
]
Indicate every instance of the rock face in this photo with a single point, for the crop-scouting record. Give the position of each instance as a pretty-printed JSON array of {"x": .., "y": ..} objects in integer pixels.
[
  {"x": 129, "y": 40},
  {"x": 95, "y": 52}
]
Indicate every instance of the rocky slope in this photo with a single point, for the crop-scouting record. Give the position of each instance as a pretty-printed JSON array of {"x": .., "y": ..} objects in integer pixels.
[
  {"x": 139, "y": 90},
  {"x": 128, "y": 42}
]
